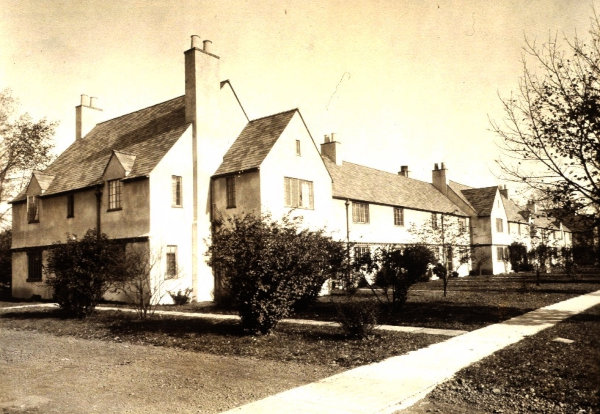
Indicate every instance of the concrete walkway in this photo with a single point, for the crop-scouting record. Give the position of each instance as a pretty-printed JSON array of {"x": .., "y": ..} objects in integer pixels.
[
  {"x": 224, "y": 317},
  {"x": 398, "y": 382}
]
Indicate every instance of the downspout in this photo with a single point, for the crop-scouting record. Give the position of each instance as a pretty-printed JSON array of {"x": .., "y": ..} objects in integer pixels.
[
  {"x": 98, "y": 209},
  {"x": 347, "y": 240}
]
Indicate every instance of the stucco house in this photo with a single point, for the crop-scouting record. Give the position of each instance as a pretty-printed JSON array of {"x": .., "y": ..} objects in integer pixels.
[{"x": 160, "y": 175}]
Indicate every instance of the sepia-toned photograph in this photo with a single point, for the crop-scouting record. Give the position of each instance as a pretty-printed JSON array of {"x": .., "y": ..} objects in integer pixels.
[{"x": 285, "y": 206}]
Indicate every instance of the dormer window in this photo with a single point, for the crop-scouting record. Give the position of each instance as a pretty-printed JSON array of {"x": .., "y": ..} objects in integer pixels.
[
  {"x": 114, "y": 194},
  {"x": 33, "y": 212}
]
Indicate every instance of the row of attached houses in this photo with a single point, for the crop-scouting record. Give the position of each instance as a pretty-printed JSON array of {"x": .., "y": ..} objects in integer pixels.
[{"x": 160, "y": 175}]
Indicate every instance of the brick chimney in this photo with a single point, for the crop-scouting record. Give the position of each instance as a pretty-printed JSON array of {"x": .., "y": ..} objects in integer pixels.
[
  {"x": 87, "y": 115},
  {"x": 332, "y": 149},
  {"x": 438, "y": 178},
  {"x": 404, "y": 171}
]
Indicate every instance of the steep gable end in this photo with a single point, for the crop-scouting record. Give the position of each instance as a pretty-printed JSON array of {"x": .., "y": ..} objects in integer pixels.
[
  {"x": 482, "y": 199},
  {"x": 254, "y": 143},
  {"x": 39, "y": 183}
]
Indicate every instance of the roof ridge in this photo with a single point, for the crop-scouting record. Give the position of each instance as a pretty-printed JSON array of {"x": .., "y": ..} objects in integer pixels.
[
  {"x": 272, "y": 115},
  {"x": 140, "y": 110},
  {"x": 386, "y": 172}
]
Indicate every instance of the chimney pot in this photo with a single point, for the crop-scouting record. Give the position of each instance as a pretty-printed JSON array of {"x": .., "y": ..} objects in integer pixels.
[
  {"x": 435, "y": 166},
  {"x": 403, "y": 170},
  {"x": 85, "y": 100},
  {"x": 195, "y": 41},
  {"x": 333, "y": 137},
  {"x": 93, "y": 102},
  {"x": 443, "y": 166},
  {"x": 207, "y": 46},
  {"x": 326, "y": 138}
]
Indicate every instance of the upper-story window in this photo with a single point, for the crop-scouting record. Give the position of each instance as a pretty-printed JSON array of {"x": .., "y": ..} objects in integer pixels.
[
  {"x": 114, "y": 194},
  {"x": 462, "y": 224},
  {"x": 171, "y": 261},
  {"x": 177, "y": 199},
  {"x": 33, "y": 211},
  {"x": 298, "y": 193},
  {"x": 360, "y": 212},
  {"x": 70, "y": 205},
  {"x": 499, "y": 225},
  {"x": 398, "y": 216},
  {"x": 230, "y": 189},
  {"x": 298, "y": 149},
  {"x": 434, "y": 221}
]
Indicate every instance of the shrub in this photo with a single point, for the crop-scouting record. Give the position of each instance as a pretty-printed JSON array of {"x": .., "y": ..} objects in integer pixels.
[
  {"x": 358, "y": 319},
  {"x": 268, "y": 267},
  {"x": 182, "y": 297},
  {"x": 81, "y": 272},
  {"x": 518, "y": 256},
  {"x": 5, "y": 263}
]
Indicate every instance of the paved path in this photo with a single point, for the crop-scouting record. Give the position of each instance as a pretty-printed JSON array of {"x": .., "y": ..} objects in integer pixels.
[
  {"x": 219, "y": 316},
  {"x": 399, "y": 382}
]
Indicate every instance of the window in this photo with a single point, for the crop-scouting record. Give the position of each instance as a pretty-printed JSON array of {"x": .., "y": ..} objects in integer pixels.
[
  {"x": 398, "y": 216},
  {"x": 360, "y": 252},
  {"x": 501, "y": 253},
  {"x": 34, "y": 266},
  {"x": 558, "y": 235},
  {"x": 434, "y": 221},
  {"x": 70, "y": 205},
  {"x": 499, "y": 225},
  {"x": 462, "y": 224},
  {"x": 230, "y": 184},
  {"x": 114, "y": 194},
  {"x": 298, "y": 152},
  {"x": 360, "y": 212},
  {"x": 171, "y": 261},
  {"x": 176, "y": 189},
  {"x": 33, "y": 212},
  {"x": 298, "y": 193}
]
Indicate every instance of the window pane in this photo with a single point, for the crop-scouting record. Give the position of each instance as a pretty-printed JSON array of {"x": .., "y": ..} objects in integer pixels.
[
  {"x": 230, "y": 189},
  {"x": 171, "y": 261},
  {"x": 176, "y": 190}
]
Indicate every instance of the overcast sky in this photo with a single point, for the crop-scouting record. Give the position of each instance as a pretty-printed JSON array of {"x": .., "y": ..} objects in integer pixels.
[{"x": 400, "y": 82}]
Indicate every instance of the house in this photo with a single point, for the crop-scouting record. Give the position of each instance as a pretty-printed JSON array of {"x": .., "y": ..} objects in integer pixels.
[{"x": 160, "y": 176}]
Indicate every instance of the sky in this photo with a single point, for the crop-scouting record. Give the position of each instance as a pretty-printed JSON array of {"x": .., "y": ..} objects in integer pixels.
[{"x": 399, "y": 82}]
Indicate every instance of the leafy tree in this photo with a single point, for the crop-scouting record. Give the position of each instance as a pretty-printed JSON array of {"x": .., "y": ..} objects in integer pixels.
[
  {"x": 518, "y": 256},
  {"x": 550, "y": 134},
  {"x": 5, "y": 263},
  {"x": 25, "y": 145},
  {"x": 269, "y": 266},
  {"x": 82, "y": 271}
]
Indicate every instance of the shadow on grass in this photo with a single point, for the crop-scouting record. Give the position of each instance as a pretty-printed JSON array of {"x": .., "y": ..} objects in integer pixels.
[{"x": 38, "y": 314}]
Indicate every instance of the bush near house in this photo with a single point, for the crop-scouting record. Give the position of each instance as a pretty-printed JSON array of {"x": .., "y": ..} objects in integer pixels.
[
  {"x": 268, "y": 267},
  {"x": 518, "y": 257},
  {"x": 5, "y": 263},
  {"x": 81, "y": 271}
]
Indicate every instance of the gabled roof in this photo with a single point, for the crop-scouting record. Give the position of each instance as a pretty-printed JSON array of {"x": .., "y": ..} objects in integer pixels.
[
  {"x": 482, "y": 199},
  {"x": 544, "y": 222},
  {"x": 457, "y": 189},
  {"x": 146, "y": 134},
  {"x": 357, "y": 182},
  {"x": 254, "y": 143},
  {"x": 513, "y": 211},
  {"x": 43, "y": 180},
  {"x": 126, "y": 160}
]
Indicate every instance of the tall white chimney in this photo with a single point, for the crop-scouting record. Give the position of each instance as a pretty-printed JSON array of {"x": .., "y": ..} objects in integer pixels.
[
  {"x": 438, "y": 178},
  {"x": 87, "y": 115}
]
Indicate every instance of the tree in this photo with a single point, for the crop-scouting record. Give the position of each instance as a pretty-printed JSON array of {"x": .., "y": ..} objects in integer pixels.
[
  {"x": 25, "y": 145},
  {"x": 5, "y": 263},
  {"x": 550, "y": 134},
  {"x": 269, "y": 266},
  {"x": 82, "y": 271}
]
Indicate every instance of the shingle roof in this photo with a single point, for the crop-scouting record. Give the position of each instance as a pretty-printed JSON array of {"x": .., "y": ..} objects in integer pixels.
[
  {"x": 513, "y": 211},
  {"x": 357, "y": 182},
  {"x": 254, "y": 143},
  {"x": 146, "y": 134},
  {"x": 482, "y": 199},
  {"x": 457, "y": 188}
]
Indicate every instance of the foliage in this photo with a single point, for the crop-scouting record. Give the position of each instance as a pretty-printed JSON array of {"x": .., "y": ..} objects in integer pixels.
[
  {"x": 133, "y": 271},
  {"x": 358, "y": 318},
  {"x": 81, "y": 272},
  {"x": 518, "y": 256},
  {"x": 270, "y": 266},
  {"x": 5, "y": 262},
  {"x": 550, "y": 134},
  {"x": 181, "y": 297},
  {"x": 25, "y": 145},
  {"x": 479, "y": 258}
]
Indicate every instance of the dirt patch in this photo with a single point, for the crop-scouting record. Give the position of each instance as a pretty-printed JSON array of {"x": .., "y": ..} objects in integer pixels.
[
  {"x": 43, "y": 373},
  {"x": 544, "y": 373}
]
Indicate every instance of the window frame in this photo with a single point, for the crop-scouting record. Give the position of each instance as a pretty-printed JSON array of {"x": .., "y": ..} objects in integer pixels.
[
  {"x": 70, "y": 205},
  {"x": 434, "y": 221},
  {"x": 230, "y": 191},
  {"x": 499, "y": 225},
  {"x": 34, "y": 265},
  {"x": 298, "y": 148},
  {"x": 399, "y": 216},
  {"x": 501, "y": 253},
  {"x": 360, "y": 212},
  {"x": 33, "y": 204},
  {"x": 293, "y": 193},
  {"x": 176, "y": 191},
  {"x": 171, "y": 262},
  {"x": 115, "y": 198}
]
